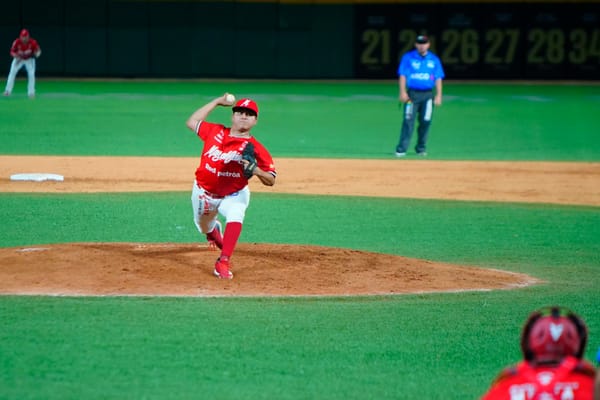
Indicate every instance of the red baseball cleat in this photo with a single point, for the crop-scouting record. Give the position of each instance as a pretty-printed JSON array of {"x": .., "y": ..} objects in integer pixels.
[{"x": 222, "y": 268}]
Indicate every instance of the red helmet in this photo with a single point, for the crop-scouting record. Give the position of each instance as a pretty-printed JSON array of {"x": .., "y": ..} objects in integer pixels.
[{"x": 552, "y": 333}]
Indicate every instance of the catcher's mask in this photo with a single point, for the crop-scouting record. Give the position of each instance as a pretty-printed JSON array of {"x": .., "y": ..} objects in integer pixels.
[{"x": 552, "y": 333}]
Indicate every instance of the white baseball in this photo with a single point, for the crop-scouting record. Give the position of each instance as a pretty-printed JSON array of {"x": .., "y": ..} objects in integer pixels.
[{"x": 230, "y": 98}]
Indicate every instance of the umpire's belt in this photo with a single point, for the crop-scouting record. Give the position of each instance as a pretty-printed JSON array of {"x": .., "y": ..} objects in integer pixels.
[{"x": 209, "y": 194}]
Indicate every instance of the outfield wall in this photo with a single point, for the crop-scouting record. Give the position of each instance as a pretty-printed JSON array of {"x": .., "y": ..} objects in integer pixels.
[{"x": 292, "y": 39}]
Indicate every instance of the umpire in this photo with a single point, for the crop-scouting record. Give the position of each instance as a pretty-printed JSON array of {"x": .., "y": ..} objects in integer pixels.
[{"x": 420, "y": 75}]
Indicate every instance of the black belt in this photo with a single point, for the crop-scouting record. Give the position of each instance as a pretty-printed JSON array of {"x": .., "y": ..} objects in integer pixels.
[{"x": 420, "y": 90}]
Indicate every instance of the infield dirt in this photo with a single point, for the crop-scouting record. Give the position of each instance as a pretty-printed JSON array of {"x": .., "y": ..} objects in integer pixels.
[{"x": 170, "y": 269}]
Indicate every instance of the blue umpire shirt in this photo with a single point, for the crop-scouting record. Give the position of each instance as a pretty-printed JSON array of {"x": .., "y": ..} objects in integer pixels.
[{"x": 420, "y": 72}]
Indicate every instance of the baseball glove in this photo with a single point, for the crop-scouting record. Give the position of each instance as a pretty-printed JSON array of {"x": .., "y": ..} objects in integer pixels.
[{"x": 249, "y": 156}]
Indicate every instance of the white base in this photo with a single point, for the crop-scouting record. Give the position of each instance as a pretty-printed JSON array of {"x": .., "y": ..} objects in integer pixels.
[{"x": 37, "y": 177}]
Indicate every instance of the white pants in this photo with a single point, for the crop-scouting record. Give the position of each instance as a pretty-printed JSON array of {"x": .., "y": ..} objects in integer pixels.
[
  {"x": 16, "y": 65},
  {"x": 206, "y": 208}
]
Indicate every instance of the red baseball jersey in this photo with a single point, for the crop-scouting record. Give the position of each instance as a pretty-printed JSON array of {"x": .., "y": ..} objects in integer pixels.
[
  {"x": 221, "y": 169},
  {"x": 24, "y": 50},
  {"x": 573, "y": 379}
]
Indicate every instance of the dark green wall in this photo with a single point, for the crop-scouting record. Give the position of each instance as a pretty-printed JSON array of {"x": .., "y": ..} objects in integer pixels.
[
  {"x": 184, "y": 38},
  {"x": 337, "y": 39}
]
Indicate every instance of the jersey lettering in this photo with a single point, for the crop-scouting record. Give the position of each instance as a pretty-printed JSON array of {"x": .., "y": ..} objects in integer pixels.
[
  {"x": 215, "y": 154},
  {"x": 421, "y": 76},
  {"x": 521, "y": 392},
  {"x": 560, "y": 391},
  {"x": 209, "y": 168},
  {"x": 230, "y": 174}
]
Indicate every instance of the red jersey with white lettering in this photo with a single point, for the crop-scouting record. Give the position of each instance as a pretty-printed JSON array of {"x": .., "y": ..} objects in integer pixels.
[
  {"x": 24, "y": 50},
  {"x": 573, "y": 379},
  {"x": 221, "y": 170}
]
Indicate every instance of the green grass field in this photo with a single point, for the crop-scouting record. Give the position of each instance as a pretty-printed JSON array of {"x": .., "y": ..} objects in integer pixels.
[{"x": 427, "y": 346}]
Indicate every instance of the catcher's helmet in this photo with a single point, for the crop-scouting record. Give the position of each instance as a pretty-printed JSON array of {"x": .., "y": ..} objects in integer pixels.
[{"x": 552, "y": 333}]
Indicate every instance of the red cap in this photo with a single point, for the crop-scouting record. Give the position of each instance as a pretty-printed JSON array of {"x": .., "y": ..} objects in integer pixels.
[
  {"x": 24, "y": 32},
  {"x": 247, "y": 104}
]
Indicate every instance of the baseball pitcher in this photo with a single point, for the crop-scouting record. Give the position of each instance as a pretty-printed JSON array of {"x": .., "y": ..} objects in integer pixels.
[{"x": 230, "y": 157}]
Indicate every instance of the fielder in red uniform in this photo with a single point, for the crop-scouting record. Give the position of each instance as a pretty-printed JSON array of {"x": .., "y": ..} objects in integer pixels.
[
  {"x": 553, "y": 342},
  {"x": 221, "y": 184},
  {"x": 24, "y": 51}
]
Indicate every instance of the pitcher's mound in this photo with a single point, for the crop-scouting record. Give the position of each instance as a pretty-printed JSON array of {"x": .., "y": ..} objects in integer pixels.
[{"x": 170, "y": 269}]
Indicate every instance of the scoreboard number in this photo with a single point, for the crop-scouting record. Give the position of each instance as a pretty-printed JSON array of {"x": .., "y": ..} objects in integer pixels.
[
  {"x": 460, "y": 46},
  {"x": 547, "y": 46},
  {"x": 406, "y": 40},
  {"x": 501, "y": 46},
  {"x": 554, "y": 46},
  {"x": 377, "y": 47},
  {"x": 559, "y": 50},
  {"x": 584, "y": 46},
  {"x": 463, "y": 47}
]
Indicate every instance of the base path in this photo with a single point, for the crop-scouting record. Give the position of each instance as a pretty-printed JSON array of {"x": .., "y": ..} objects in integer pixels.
[
  {"x": 501, "y": 181},
  {"x": 169, "y": 269}
]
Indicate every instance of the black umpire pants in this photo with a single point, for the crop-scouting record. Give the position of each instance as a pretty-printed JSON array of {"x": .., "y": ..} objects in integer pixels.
[{"x": 421, "y": 108}]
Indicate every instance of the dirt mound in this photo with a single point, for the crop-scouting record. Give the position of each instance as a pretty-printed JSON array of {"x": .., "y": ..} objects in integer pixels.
[
  {"x": 170, "y": 269},
  {"x": 276, "y": 270}
]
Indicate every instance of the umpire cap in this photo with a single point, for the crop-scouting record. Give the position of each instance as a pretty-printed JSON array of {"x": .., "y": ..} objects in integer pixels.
[{"x": 422, "y": 39}]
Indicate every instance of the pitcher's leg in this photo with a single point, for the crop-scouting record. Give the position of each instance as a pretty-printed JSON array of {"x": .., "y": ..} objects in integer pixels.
[
  {"x": 215, "y": 232},
  {"x": 196, "y": 206},
  {"x": 233, "y": 208},
  {"x": 204, "y": 210}
]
